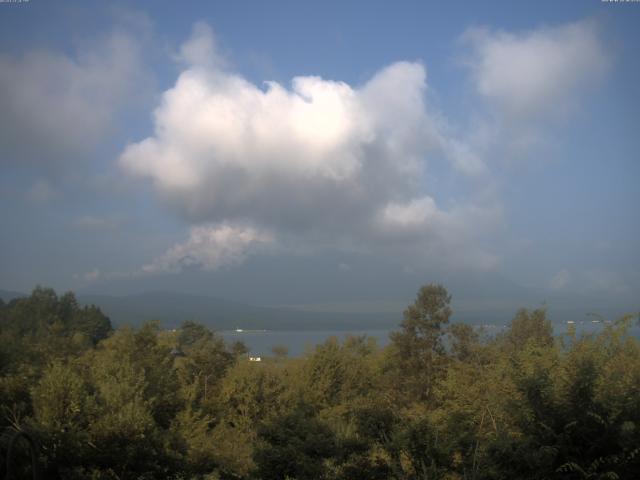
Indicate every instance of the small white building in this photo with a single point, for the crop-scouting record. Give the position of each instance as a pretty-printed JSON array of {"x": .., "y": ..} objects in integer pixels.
[{"x": 255, "y": 359}]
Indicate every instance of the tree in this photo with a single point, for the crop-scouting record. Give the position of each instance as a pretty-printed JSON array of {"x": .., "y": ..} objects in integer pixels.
[
  {"x": 136, "y": 400},
  {"x": 192, "y": 332},
  {"x": 206, "y": 360},
  {"x": 91, "y": 322},
  {"x": 530, "y": 327},
  {"x": 62, "y": 409},
  {"x": 294, "y": 446},
  {"x": 521, "y": 405},
  {"x": 418, "y": 350},
  {"x": 464, "y": 341},
  {"x": 43, "y": 327}
]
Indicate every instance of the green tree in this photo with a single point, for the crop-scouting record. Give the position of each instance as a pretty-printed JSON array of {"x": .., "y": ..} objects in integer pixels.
[
  {"x": 418, "y": 350},
  {"x": 206, "y": 359},
  {"x": 529, "y": 326},
  {"x": 295, "y": 446},
  {"x": 464, "y": 341},
  {"x": 63, "y": 411}
]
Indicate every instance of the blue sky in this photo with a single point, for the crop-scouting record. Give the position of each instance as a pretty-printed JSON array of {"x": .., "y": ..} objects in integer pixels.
[{"x": 166, "y": 145}]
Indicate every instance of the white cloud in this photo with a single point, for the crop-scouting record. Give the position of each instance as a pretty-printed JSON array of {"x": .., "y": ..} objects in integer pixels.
[
  {"x": 560, "y": 280},
  {"x": 537, "y": 73},
  {"x": 88, "y": 277},
  {"x": 414, "y": 216},
  {"x": 529, "y": 84},
  {"x": 54, "y": 107},
  {"x": 211, "y": 247},
  {"x": 93, "y": 275},
  {"x": 201, "y": 50},
  {"x": 320, "y": 162},
  {"x": 596, "y": 281},
  {"x": 224, "y": 146}
]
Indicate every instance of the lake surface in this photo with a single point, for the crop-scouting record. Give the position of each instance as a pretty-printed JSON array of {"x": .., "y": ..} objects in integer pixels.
[{"x": 261, "y": 342}]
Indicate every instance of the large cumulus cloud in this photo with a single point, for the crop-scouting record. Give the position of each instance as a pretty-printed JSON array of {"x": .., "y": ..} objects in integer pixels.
[
  {"x": 224, "y": 147},
  {"x": 321, "y": 161}
]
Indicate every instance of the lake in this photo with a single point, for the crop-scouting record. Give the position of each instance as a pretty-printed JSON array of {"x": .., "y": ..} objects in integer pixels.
[
  {"x": 261, "y": 342},
  {"x": 297, "y": 341}
]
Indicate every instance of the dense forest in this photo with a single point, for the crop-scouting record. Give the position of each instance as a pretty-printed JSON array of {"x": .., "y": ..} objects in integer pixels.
[{"x": 441, "y": 401}]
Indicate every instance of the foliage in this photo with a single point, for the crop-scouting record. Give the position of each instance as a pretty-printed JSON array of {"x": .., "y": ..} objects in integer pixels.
[
  {"x": 417, "y": 349},
  {"x": 294, "y": 445},
  {"x": 439, "y": 402}
]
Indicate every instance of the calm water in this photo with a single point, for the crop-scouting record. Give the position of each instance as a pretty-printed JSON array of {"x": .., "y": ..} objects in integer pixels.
[
  {"x": 260, "y": 343},
  {"x": 297, "y": 341}
]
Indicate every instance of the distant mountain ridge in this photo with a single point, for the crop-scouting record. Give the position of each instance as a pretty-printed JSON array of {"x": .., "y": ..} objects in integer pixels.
[
  {"x": 8, "y": 295},
  {"x": 171, "y": 309}
]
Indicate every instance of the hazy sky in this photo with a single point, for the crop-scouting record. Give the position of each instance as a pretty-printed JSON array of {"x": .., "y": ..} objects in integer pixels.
[{"x": 320, "y": 152}]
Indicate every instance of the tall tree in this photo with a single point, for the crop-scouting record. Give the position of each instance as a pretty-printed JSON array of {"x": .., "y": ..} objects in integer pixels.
[{"x": 418, "y": 349}]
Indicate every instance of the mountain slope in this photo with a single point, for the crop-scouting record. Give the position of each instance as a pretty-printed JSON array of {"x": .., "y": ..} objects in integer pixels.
[
  {"x": 8, "y": 295},
  {"x": 174, "y": 308}
]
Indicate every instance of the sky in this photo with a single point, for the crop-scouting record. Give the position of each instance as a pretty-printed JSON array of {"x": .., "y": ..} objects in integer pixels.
[{"x": 329, "y": 154}]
